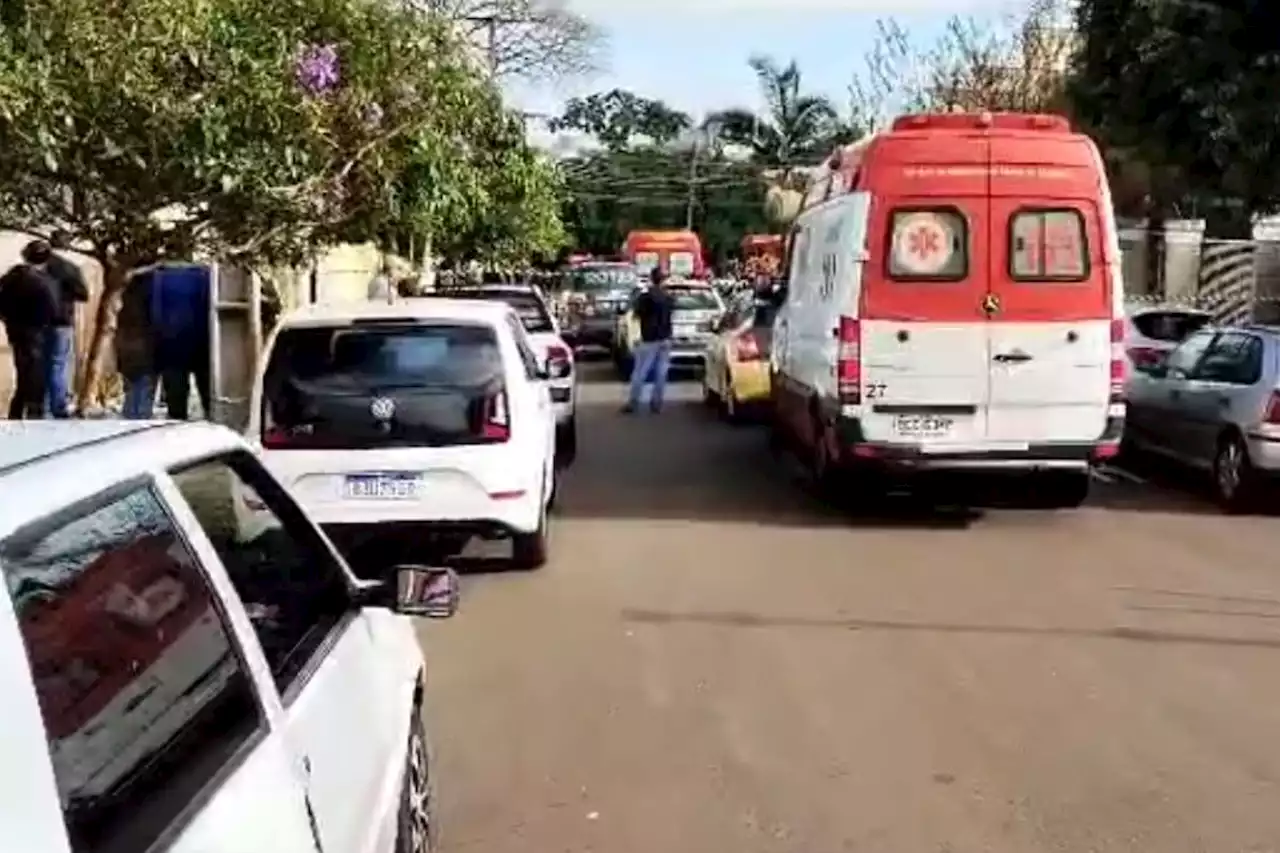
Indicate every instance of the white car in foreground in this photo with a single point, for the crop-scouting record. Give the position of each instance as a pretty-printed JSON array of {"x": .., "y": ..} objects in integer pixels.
[
  {"x": 177, "y": 680},
  {"x": 557, "y": 356},
  {"x": 409, "y": 428}
]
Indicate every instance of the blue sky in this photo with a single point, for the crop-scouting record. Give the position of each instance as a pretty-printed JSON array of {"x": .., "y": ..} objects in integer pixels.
[{"x": 693, "y": 53}]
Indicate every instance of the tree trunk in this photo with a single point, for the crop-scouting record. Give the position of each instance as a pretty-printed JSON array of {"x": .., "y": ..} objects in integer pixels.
[{"x": 114, "y": 278}]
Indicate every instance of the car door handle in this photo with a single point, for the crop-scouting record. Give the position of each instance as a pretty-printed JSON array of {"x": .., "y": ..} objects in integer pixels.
[{"x": 1015, "y": 357}]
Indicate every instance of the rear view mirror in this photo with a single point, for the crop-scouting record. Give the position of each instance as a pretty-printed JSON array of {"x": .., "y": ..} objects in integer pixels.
[{"x": 432, "y": 593}]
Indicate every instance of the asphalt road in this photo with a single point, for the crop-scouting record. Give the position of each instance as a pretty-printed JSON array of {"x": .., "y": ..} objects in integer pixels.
[{"x": 713, "y": 662}]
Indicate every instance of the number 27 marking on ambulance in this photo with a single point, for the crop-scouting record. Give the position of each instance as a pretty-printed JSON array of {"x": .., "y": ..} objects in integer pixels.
[{"x": 875, "y": 390}]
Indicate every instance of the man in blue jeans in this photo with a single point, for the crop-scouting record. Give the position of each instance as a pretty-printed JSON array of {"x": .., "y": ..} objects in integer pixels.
[
  {"x": 59, "y": 348},
  {"x": 653, "y": 353}
]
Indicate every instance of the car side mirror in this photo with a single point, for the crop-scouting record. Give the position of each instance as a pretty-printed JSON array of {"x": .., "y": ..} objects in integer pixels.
[{"x": 427, "y": 592}]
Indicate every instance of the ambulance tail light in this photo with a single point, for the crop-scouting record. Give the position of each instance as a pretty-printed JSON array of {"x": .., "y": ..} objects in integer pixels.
[
  {"x": 1119, "y": 364},
  {"x": 849, "y": 361}
]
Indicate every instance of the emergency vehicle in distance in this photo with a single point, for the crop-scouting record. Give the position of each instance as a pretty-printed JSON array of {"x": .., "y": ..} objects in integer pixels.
[
  {"x": 677, "y": 253},
  {"x": 954, "y": 303},
  {"x": 761, "y": 256}
]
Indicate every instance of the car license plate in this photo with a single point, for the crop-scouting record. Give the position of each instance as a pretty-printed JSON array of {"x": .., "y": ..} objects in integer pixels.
[
  {"x": 923, "y": 426},
  {"x": 385, "y": 487}
]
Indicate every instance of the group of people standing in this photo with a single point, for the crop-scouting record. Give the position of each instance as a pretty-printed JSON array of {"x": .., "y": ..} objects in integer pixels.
[
  {"x": 38, "y": 299},
  {"x": 162, "y": 337}
]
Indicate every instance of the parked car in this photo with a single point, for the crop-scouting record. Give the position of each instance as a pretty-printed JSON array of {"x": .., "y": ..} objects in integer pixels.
[
  {"x": 557, "y": 356},
  {"x": 419, "y": 424},
  {"x": 592, "y": 295},
  {"x": 737, "y": 376},
  {"x": 176, "y": 680},
  {"x": 1152, "y": 332},
  {"x": 1213, "y": 404},
  {"x": 697, "y": 310}
]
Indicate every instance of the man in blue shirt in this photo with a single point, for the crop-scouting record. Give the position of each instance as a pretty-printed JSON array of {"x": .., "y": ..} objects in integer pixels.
[{"x": 653, "y": 354}]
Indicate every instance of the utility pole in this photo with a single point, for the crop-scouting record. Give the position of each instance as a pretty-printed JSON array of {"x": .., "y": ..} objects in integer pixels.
[
  {"x": 693, "y": 187},
  {"x": 491, "y": 24}
]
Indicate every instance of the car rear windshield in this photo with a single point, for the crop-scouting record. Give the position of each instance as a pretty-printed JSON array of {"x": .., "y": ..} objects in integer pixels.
[
  {"x": 693, "y": 298},
  {"x": 1048, "y": 245},
  {"x": 928, "y": 245},
  {"x": 1169, "y": 326},
  {"x": 528, "y": 307},
  {"x": 381, "y": 385}
]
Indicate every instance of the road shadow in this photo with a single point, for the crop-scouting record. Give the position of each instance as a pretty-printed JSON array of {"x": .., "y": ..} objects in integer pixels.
[
  {"x": 1150, "y": 484},
  {"x": 686, "y": 464}
]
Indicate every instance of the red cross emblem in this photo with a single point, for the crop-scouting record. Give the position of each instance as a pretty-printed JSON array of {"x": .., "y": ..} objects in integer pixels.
[{"x": 924, "y": 242}]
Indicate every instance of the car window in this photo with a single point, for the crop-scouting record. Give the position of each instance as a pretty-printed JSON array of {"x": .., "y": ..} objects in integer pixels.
[
  {"x": 294, "y": 590},
  {"x": 383, "y": 385},
  {"x": 1182, "y": 361},
  {"x": 144, "y": 695},
  {"x": 528, "y": 306},
  {"x": 532, "y": 370},
  {"x": 1170, "y": 326},
  {"x": 693, "y": 298},
  {"x": 928, "y": 245},
  {"x": 1048, "y": 245},
  {"x": 1234, "y": 358}
]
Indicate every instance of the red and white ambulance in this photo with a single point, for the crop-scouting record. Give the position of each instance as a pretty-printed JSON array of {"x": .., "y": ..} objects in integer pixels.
[{"x": 954, "y": 302}]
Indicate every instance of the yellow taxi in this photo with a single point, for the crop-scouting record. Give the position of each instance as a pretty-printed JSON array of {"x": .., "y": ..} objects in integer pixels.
[{"x": 737, "y": 375}]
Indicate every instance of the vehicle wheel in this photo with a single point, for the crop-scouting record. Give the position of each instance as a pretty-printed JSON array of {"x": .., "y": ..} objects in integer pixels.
[
  {"x": 418, "y": 831},
  {"x": 1234, "y": 479},
  {"x": 1060, "y": 490},
  {"x": 529, "y": 550},
  {"x": 567, "y": 443}
]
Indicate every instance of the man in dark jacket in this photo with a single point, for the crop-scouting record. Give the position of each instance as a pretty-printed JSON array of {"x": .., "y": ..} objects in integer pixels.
[
  {"x": 28, "y": 309},
  {"x": 59, "y": 346},
  {"x": 653, "y": 354},
  {"x": 135, "y": 346},
  {"x": 180, "y": 308}
]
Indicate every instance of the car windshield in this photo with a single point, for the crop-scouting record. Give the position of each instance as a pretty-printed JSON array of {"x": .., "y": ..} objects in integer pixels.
[
  {"x": 602, "y": 279},
  {"x": 325, "y": 386},
  {"x": 528, "y": 307},
  {"x": 693, "y": 298}
]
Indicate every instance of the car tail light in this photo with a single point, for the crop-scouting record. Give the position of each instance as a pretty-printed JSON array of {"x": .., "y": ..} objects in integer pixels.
[
  {"x": 1273, "y": 408},
  {"x": 849, "y": 361},
  {"x": 559, "y": 362},
  {"x": 496, "y": 422},
  {"x": 1144, "y": 356},
  {"x": 747, "y": 347},
  {"x": 1118, "y": 363}
]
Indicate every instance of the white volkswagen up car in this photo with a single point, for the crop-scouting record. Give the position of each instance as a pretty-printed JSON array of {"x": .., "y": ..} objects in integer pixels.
[
  {"x": 187, "y": 665},
  {"x": 408, "y": 428}
]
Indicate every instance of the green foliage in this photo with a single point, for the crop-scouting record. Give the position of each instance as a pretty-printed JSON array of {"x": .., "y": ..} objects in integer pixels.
[
  {"x": 796, "y": 127},
  {"x": 613, "y": 192},
  {"x": 170, "y": 126},
  {"x": 1188, "y": 89},
  {"x": 618, "y": 118}
]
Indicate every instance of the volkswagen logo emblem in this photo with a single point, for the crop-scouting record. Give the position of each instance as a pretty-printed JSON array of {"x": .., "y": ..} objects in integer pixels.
[{"x": 383, "y": 408}]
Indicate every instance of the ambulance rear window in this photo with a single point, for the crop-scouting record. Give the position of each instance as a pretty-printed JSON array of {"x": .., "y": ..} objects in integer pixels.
[
  {"x": 928, "y": 244},
  {"x": 1048, "y": 245}
]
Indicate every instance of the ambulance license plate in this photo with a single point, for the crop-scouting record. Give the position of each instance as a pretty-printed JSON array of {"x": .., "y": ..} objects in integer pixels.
[{"x": 923, "y": 426}]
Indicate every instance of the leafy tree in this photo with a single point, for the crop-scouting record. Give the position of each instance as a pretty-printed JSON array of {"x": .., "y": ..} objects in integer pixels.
[
  {"x": 246, "y": 130},
  {"x": 1186, "y": 88},
  {"x": 610, "y": 193},
  {"x": 795, "y": 127},
  {"x": 618, "y": 118}
]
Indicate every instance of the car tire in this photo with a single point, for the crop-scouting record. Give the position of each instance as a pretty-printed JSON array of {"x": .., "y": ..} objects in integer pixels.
[
  {"x": 1235, "y": 482},
  {"x": 530, "y": 550},
  {"x": 418, "y": 831},
  {"x": 567, "y": 443}
]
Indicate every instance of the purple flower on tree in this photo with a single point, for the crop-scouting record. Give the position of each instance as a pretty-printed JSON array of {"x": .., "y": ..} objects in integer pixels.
[{"x": 317, "y": 68}]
